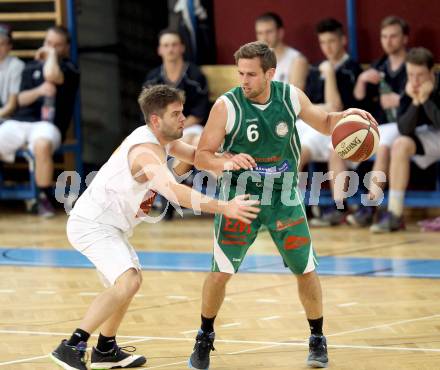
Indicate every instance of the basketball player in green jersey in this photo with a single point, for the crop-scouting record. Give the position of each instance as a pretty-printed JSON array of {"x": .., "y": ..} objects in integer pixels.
[{"x": 256, "y": 124}]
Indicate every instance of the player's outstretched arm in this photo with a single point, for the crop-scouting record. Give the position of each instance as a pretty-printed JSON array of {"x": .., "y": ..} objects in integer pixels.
[
  {"x": 150, "y": 159},
  {"x": 322, "y": 121},
  {"x": 212, "y": 138},
  {"x": 182, "y": 151}
]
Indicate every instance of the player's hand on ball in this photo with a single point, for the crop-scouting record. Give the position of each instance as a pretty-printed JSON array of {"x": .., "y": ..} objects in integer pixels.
[
  {"x": 242, "y": 208},
  {"x": 360, "y": 112}
]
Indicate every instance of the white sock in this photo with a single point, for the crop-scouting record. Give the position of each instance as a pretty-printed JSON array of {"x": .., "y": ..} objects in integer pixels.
[{"x": 395, "y": 203}]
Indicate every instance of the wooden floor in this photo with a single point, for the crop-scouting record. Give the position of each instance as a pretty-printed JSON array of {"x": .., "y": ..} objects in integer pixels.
[{"x": 370, "y": 322}]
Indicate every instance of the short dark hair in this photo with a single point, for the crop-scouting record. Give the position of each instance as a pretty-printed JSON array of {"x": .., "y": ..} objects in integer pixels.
[
  {"x": 257, "y": 49},
  {"x": 270, "y": 17},
  {"x": 394, "y": 20},
  {"x": 329, "y": 25},
  {"x": 421, "y": 57},
  {"x": 61, "y": 30},
  {"x": 155, "y": 99},
  {"x": 169, "y": 31}
]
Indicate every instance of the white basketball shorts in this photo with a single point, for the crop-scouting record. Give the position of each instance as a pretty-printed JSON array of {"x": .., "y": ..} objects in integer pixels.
[{"x": 105, "y": 246}]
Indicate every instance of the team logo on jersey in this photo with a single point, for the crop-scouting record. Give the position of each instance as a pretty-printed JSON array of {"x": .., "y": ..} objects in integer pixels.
[
  {"x": 146, "y": 204},
  {"x": 273, "y": 169},
  {"x": 282, "y": 129}
]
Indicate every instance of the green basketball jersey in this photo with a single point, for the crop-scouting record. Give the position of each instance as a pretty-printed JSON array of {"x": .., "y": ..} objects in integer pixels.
[{"x": 266, "y": 132}]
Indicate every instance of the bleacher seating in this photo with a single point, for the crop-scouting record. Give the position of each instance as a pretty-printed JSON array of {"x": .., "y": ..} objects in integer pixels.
[
  {"x": 30, "y": 20},
  {"x": 221, "y": 78}
]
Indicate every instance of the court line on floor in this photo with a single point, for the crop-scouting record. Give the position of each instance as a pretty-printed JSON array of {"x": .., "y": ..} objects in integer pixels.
[
  {"x": 264, "y": 343},
  {"x": 384, "y": 325},
  {"x": 170, "y": 364},
  {"x": 365, "y": 347},
  {"x": 251, "y": 349},
  {"x": 172, "y": 261},
  {"x": 29, "y": 332},
  {"x": 23, "y": 360},
  {"x": 267, "y": 345}
]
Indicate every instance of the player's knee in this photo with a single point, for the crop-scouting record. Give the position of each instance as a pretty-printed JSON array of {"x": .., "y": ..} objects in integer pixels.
[
  {"x": 383, "y": 154},
  {"x": 402, "y": 146},
  {"x": 306, "y": 276},
  {"x": 383, "y": 150},
  {"x": 140, "y": 277},
  {"x": 220, "y": 278},
  {"x": 129, "y": 283},
  {"x": 43, "y": 147}
]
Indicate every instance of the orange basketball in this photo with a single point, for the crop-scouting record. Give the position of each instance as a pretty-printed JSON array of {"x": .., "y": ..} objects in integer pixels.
[{"x": 355, "y": 138}]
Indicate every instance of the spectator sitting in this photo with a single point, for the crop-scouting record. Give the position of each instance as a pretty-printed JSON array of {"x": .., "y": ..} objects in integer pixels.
[
  {"x": 330, "y": 85},
  {"x": 292, "y": 66},
  {"x": 418, "y": 120},
  {"x": 47, "y": 94},
  {"x": 381, "y": 86},
  {"x": 186, "y": 76},
  {"x": 10, "y": 74}
]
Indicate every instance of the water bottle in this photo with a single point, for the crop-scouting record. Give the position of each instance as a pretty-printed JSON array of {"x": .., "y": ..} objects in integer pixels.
[
  {"x": 385, "y": 88},
  {"x": 48, "y": 109}
]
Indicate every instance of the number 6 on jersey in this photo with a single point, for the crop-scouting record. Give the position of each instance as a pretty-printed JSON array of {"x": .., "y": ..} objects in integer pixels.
[{"x": 252, "y": 133}]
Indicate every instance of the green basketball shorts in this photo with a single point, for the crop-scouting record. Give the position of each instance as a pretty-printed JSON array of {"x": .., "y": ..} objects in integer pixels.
[{"x": 283, "y": 215}]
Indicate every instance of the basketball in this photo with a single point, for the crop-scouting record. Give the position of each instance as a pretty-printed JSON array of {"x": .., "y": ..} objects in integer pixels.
[{"x": 355, "y": 138}]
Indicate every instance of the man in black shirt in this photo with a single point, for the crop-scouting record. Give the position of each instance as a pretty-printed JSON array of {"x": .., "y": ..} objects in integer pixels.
[
  {"x": 380, "y": 87},
  {"x": 186, "y": 76},
  {"x": 382, "y": 84},
  {"x": 330, "y": 85},
  {"x": 418, "y": 120},
  {"x": 46, "y": 99}
]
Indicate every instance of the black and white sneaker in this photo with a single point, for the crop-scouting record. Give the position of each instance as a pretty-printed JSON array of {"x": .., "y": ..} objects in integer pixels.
[
  {"x": 116, "y": 358},
  {"x": 318, "y": 357},
  {"x": 202, "y": 348},
  {"x": 70, "y": 357}
]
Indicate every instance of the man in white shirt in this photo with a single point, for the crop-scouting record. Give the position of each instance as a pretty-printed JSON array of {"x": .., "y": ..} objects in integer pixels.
[{"x": 292, "y": 66}]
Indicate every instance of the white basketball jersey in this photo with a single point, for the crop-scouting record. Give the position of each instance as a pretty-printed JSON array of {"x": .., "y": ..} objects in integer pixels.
[
  {"x": 284, "y": 64},
  {"x": 114, "y": 197}
]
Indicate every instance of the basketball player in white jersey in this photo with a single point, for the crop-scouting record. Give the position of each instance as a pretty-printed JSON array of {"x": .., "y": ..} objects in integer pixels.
[
  {"x": 292, "y": 66},
  {"x": 118, "y": 199}
]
